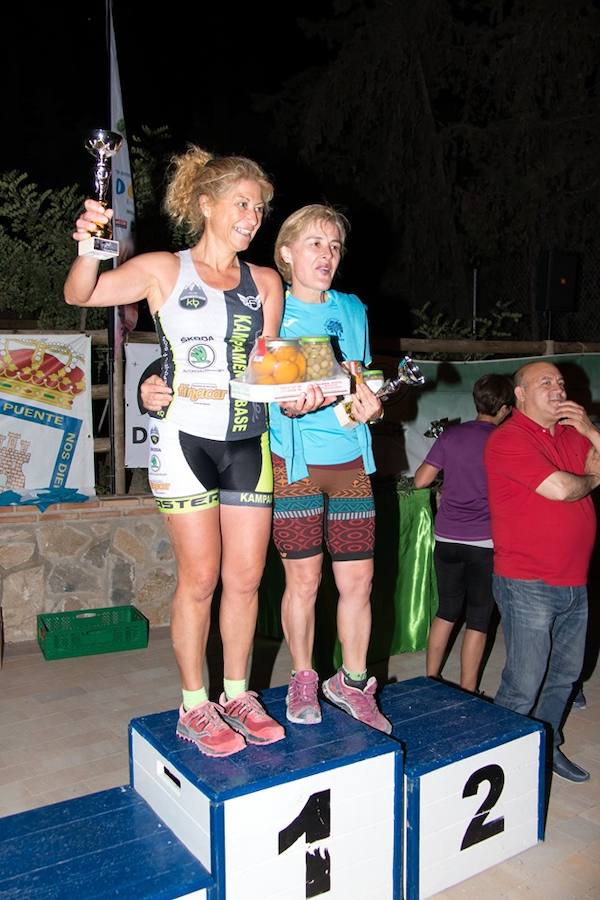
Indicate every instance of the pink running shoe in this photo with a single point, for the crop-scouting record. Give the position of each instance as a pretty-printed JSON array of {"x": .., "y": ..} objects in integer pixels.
[
  {"x": 246, "y": 715},
  {"x": 360, "y": 704},
  {"x": 301, "y": 700},
  {"x": 204, "y": 727}
]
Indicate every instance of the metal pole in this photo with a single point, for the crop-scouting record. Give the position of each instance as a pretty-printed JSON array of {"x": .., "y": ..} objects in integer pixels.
[
  {"x": 474, "y": 313},
  {"x": 115, "y": 354}
]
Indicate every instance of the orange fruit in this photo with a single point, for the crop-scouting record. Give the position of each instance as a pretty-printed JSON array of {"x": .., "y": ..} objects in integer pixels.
[
  {"x": 263, "y": 365},
  {"x": 265, "y": 379},
  {"x": 285, "y": 372},
  {"x": 300, "y": 361},
  {"x": 285, "y": 353}
]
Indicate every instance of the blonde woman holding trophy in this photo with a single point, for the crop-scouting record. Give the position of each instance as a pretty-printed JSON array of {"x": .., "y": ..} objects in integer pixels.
[{"x": 210, "y": 467}]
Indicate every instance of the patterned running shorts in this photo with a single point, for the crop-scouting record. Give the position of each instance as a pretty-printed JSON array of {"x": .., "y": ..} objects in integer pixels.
[{"x": 334, "y": 503}]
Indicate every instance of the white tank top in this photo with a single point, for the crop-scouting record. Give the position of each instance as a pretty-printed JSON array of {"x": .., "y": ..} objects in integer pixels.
[{"x": 206, "y": 335}]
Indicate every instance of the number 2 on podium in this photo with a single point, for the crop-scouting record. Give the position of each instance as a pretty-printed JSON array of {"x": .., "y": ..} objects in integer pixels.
[{"x": 478, "y": 829}]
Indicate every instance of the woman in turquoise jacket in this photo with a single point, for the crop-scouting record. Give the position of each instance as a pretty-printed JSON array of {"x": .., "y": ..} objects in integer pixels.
[{"x": 322, "y": 489}]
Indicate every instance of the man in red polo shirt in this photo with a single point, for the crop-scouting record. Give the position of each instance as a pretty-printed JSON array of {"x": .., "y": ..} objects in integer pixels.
[{"x": 542, "y": 465}]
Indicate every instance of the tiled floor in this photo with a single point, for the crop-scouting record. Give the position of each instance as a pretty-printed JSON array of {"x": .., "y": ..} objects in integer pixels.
[{"x": 63, "y": 733}]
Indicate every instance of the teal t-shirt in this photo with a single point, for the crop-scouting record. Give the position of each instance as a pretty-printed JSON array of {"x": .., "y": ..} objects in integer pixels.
[{"x": 324, "y": 441}]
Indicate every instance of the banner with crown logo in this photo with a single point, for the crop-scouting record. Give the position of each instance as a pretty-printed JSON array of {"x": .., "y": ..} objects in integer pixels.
[{"x": 46, "y": 435}]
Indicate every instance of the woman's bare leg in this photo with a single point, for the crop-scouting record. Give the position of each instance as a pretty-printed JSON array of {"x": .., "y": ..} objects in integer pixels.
[
  {"x": 245, "y": 536},
  {"x": 439, "y": 635},
  {"x": 302, "y": 580},
  {"x": 196, "y": 543},
  {"x": 471, "y": 655},
  {"x": 353, "y": 579}
]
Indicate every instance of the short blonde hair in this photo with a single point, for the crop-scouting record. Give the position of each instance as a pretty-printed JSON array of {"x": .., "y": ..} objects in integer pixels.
[
  {"x": 197, "y": 172},
  {"x": 295, "y": 224}
]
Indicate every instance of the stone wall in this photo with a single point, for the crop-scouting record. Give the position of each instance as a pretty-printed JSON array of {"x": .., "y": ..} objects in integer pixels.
[{"x": 106, "y": 552}]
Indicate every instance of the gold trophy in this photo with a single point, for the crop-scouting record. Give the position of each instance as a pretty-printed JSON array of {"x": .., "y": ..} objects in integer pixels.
[{"x": 102, "y": 145}]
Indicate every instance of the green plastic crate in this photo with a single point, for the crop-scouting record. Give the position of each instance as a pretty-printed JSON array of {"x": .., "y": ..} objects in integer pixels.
[{"x": 87, "y": 631}]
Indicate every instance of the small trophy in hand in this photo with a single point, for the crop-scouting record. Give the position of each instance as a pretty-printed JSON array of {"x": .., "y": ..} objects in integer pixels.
[
  {"x": 408, "y": 375},
  {"x": 102, "y": 145}
]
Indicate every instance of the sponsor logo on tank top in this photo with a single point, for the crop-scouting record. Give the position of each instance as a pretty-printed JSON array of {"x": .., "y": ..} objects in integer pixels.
[
  {"x": 154, "y": 464},
  {"x": 201, "y": 356},
  {"x": 203, "y": 339},
  {"x": 250, "y": 301},
  {"x": 196, "y": 392},
  {"x": 242, "y": 327},
  {"x": 192, "y": 297},
  {"x": 154, "y": 436},
  {"x": 158, "y": 486},
  {"x": 240, "y": 415}
]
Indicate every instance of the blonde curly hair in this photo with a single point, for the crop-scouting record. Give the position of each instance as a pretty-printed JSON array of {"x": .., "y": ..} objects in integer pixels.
[
  {"x": 295, "y": 224},
  {"x": 197, "y": 172}
]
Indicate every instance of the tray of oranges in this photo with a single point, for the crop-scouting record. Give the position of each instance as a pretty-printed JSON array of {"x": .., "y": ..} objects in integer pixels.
[{"x": 282, "y": 368}]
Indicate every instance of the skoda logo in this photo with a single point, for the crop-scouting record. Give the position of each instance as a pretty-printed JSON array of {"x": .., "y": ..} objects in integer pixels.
[
  {"x": 201, "y": 356},
  {"x": 154, "y": 463}
]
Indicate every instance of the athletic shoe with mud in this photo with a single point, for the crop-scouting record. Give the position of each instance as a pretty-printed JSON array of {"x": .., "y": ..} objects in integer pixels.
[
  {"x": 246, "y": 715},
  {"x": 204, "y": 727},
  {"x": 359, "y": 704},
  {"x": 301, "y": 700}
]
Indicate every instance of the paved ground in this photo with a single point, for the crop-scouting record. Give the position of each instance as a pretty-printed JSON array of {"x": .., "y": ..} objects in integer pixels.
[{"x": 63, "y": 733}]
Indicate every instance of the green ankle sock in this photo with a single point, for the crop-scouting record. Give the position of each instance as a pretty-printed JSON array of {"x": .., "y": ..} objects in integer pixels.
[
  {"x": 193, "y": 698},
  {"x": 354, "y": 679},
  {"x": 233, "y": 689}
]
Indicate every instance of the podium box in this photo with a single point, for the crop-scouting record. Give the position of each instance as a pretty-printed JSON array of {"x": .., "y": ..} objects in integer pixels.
[
  {"x": 107, "y": 844},
  {"x": 336, "y": 810},
  {"x": 314, "y": 814},
  {"x": 473, "y": 782}
]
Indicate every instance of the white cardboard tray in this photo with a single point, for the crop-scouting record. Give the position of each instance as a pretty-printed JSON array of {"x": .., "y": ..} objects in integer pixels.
[{"x": 267, "y": 393}]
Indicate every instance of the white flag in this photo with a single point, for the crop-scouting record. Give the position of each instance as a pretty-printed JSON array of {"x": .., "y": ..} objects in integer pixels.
[{"x": 122, "y": 186}]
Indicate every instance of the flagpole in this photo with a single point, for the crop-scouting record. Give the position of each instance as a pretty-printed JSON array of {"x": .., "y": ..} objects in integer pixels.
[
  {"x": 117, "y": 486},
  {"x": 123, "y": 318},
  {"x": 115, "y": 346}
]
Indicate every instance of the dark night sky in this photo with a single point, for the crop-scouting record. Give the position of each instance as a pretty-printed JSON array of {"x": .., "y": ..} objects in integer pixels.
[{"x": 181, "y": 68}]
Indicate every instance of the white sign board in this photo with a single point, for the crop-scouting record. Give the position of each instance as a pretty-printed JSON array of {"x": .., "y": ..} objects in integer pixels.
[{"x": 138, "y": 357}]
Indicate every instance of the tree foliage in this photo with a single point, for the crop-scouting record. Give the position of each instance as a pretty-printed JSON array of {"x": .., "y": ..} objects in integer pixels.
[
  {"x": 471, "y": 126},
  {"x": 36, "y": 248},
  {"x": 437, "y": 325}
]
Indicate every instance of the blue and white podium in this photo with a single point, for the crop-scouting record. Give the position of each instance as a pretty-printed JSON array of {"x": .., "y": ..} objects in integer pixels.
[
  {"x": 336, "y": 811},
  {"x": 473, "y": 782},
  {"x": 107, "y": 844},
  {"x": 312, "y": 815}
]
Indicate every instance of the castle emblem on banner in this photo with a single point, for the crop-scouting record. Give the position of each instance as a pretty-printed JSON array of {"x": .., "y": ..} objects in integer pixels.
[
  {"x": 44, "y": 370},
  {"x": 14, "y": 454}
]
